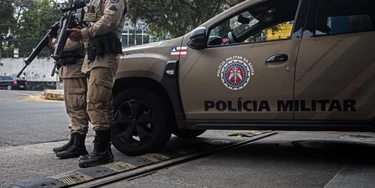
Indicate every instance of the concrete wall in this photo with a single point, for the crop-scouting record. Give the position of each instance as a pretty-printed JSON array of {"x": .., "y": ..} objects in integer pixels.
[{"x": 39, "y": 70}]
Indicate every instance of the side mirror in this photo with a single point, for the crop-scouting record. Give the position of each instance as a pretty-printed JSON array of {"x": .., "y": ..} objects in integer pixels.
[{"x": 198, "y": 38}]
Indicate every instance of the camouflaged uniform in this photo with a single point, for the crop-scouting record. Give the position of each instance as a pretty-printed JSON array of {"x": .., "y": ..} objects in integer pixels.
[
  {"x": 107, "y": 17},
  {"x": 75, "y": 88}
]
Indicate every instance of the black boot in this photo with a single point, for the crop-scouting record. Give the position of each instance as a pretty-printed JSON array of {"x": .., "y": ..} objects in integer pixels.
[
  {"x": 77, "y": 149},
  {"x": 101, "y": 153},
  {"x": 67, "y": 145}
]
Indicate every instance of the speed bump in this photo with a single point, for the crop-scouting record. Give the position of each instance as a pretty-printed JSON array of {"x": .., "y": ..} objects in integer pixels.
[
  {"x": 85, "y": 175},
  {"x": 155, "y": 157},
  {"x": 250, "y": 133},
  {"x": 72, "y": 178},
  {"x": 119, "y": 166}
]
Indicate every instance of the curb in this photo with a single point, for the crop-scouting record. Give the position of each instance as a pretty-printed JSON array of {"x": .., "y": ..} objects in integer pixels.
[{"x": 53, "y": 95}]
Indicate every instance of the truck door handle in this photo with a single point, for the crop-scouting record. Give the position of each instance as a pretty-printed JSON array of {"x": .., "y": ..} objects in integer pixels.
[{"x": 277, "y": 58}]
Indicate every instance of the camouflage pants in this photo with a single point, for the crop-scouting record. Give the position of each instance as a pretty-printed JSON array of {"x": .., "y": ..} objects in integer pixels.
[
  {"x": 75, "y": 104},
  {"x": 99, "y": 98}
]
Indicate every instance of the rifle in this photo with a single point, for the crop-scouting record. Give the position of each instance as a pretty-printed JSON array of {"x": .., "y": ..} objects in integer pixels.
[
  {"x": 53, "y": 33},
  {"x": 68, "y": 20}
]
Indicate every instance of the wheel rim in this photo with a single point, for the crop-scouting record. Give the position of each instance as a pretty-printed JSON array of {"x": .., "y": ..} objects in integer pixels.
[
  {"x": 9, "y": 87},
  {"x": 134, "y": 122}
]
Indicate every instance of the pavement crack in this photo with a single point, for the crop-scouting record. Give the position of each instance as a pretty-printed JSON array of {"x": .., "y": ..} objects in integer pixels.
[
  {"x": 6, "y": 144},
  {"x": 336, "y": 176},
  {"x": 142, "y": 176}
]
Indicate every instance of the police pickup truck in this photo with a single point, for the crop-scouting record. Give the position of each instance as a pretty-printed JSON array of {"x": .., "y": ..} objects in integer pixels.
[{"x": 260, "y": 65}]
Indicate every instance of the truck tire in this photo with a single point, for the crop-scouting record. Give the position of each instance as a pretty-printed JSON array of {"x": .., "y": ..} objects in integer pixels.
[
  {"x": 140, "y": 122},
  {"x": 188, "y": 133}
]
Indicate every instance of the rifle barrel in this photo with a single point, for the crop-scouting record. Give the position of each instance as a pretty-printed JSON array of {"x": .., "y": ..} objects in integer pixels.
[
  {"x": 19, "y": 74},
  {"x": 65, "y": 21},
  {"x": 37, "y": 50}
]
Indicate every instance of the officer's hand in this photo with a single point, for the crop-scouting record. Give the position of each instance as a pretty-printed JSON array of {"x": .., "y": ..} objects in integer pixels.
[
  {"x": 75, "y": 34},
  {"x": 50, "y": 44}
]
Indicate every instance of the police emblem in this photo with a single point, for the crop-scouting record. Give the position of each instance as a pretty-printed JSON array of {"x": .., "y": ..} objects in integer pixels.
[{"x": 235, "y": 72}]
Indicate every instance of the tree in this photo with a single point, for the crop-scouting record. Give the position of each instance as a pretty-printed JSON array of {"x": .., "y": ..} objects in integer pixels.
[
  {"x": 34, "y": 18},
  {"x": 7, "y": 21},
  {"x": 176, "y": 17}
]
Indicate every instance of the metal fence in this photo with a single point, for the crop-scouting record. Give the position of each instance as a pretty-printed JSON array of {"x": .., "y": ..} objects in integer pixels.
[{"x": 136, "y": 37}]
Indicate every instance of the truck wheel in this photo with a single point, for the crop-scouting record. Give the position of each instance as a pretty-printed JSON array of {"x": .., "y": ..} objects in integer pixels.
[
  {"x": 188, "y": 133},
  {"x": 141, "y": 122},
  {"x": 9, "y": 87}
]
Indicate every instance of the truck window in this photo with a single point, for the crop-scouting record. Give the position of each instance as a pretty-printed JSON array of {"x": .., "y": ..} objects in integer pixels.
[
  {"x": 344, "y": 16},
  {"x": 265, "y": 21}
]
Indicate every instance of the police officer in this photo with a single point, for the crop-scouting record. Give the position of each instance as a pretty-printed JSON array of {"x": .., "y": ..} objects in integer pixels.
[
  {"x": 75, "y": 88},
  {"x": 102, "y": 37}
]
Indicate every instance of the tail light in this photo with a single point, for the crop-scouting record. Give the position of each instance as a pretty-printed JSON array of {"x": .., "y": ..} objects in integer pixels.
[
  {"x": 15, "y": 82},
  {"x": 25, "y": 82}
]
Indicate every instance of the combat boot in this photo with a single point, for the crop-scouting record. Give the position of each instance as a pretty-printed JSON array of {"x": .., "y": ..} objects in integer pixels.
[
  {"x": 67, "y": 145},
  {"x": 77, "y": 149},
  {"x": 101, "y": 153}
]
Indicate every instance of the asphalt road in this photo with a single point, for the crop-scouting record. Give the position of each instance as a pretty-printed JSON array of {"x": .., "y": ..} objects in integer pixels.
[
  {"x": 25, "y": 119},
  {"x": 29, "y": 162},
  {"x": 31, "y": 127},
  {"x": 285, "y": 160}
]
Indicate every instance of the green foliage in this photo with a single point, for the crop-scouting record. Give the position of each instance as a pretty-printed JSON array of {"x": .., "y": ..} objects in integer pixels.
[
  {"x": 6, "y": 24},
  {"x": 175, "y": 17},
  {"x": 23, "y": 23},
  {"x": 34, "y": 20},
  {"x": 6, "y": 18}
]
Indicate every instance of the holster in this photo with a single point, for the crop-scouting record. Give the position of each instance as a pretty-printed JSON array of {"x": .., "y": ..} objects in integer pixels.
[
  {"x": 91, "y": 51},
  {"x": 104, "y": 44}
]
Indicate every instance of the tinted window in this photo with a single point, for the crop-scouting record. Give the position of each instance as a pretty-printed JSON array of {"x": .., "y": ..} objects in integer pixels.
[
  {"x": 5, "y": 78},
  {"x": 344, "y": 16}
]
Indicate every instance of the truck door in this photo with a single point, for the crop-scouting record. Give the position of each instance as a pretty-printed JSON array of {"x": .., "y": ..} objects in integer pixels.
[
  {"x": 335, "y": 78},
  {"x": 246, "y": 70}
]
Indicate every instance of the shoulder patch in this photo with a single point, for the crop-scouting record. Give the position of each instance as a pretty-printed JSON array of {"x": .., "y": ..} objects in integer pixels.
[
  {"x": 113, "y": 7},
  {"x": 114, "y": 1}
]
